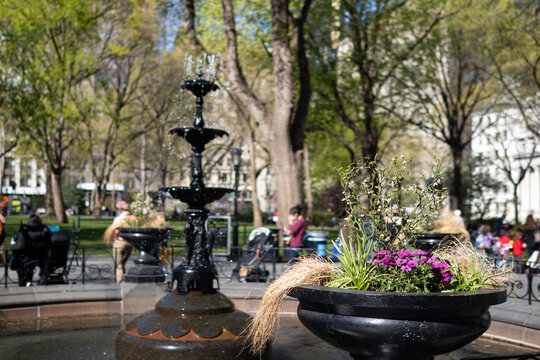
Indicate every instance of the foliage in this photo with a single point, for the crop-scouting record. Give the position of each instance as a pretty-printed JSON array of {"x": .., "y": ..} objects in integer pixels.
[
  {"x": 404, "y": 271},
  {"x": 72, "y": 195},
  {"x": 142, "y": 213},
  {"x": 373, "y": 258},
  {"x": 358, "y": 53},
  {"x": 322, "y": 218},
  {"x": 52, "y": 49},
  {"x": 356, "y": 271},
  {"x": 371, "y": 199}
]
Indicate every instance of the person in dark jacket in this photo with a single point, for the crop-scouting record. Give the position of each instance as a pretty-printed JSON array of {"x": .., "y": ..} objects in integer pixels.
[
  {"x": 528, "y": 234},
  {"x": 32, "y": 248}
]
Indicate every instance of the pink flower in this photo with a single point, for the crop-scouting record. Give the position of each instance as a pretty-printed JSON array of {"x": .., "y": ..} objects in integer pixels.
[
  {"x": 401, "y": 261},
  {"x": 381, "y": 253},
  {"x": 406, "y": 268}
]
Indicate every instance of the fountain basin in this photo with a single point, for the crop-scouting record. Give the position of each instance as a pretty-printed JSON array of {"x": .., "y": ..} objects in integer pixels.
[
  {"x": 196, "y": 197},
  {"x": 198, "y": 137}
]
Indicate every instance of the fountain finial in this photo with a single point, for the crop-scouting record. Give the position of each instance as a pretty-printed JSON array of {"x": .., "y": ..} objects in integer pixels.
[{"x": 199, "y": 87}]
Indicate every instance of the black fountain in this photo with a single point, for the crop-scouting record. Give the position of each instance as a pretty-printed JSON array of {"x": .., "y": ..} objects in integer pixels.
[{"x": 194, "y": 321}]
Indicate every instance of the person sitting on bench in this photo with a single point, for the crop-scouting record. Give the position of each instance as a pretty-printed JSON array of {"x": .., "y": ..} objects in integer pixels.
[{"x": 32, "y": 248}]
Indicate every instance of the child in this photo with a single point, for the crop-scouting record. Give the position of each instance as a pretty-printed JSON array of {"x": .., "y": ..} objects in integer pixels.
[
  {"x": 518, "y": 250},
  {"x": 504, "y": 244}
]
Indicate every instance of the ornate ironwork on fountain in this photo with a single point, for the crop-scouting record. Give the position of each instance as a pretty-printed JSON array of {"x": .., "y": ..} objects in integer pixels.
[
  {"x": 194, "y": 321},
  {"x": 197, "y": 272}
]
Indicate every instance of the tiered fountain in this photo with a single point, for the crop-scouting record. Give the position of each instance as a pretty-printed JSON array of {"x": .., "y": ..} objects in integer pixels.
[{"x": 194, "y": 321}]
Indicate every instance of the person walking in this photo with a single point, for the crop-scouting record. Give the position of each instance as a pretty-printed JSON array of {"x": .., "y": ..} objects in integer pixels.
[
  {"x": 529, "y": 228},
  {"x": 485, "y": 240},
  {"x": 2, "y": 237},
  {"x": 121, "y": 248}
]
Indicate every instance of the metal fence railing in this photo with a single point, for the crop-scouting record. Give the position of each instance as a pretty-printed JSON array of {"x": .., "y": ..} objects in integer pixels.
[{"x": 96, "y": 263}]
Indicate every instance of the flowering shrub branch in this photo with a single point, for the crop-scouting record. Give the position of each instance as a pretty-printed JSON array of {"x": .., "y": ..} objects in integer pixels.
[{"x": 371, "y": 191}]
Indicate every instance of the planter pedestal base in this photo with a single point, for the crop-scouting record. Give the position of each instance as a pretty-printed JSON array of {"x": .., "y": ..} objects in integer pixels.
[{"x": 144, "y": 274}]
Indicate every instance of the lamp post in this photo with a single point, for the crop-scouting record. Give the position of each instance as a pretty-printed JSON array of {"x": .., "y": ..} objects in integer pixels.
[{"x": 236, "y": 157}]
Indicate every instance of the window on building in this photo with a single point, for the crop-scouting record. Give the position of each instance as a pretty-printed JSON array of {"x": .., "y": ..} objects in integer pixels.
[{"x": 223, "y": 177}]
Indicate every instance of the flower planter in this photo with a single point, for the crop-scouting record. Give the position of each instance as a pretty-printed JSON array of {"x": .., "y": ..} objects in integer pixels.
[
  {"x": 429, "y": 241},
  {"x": 385, "y": 325},
  {"x": 146, "y": 265}
]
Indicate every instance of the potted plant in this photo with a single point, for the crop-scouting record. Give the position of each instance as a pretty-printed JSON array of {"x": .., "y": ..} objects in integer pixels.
[
  {"x": 385, "y": 299},
  {"x": 144, "y": 228}
]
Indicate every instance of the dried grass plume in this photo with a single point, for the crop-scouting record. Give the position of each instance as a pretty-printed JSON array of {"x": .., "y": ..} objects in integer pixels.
[
  {"x": 153, "y": 220},
  {"x": 474, "y": 264},
  {"x": 449, "y": 223},
  {"x": 305, "y": 271}
]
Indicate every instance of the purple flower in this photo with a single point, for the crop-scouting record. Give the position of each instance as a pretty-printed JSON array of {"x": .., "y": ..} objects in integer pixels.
[
  {"x": 442, "y": 266},
  {"x": 381, "y": 253},
  {"x": 421, "y": 253},
  {"x": 404, "y": 254},
  {"x": 447, "y": 277},
  {"x": 412, "y": 263},
  {"x": 406, "y": 268},
  {"x": 401, "y": 261}
]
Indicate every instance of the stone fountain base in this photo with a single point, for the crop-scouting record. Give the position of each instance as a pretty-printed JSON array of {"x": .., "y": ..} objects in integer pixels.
[{"x": 185, "y": 326}]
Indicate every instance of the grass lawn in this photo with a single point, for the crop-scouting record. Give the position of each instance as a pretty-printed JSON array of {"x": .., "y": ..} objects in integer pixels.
[{"x": 91, "y": 230}]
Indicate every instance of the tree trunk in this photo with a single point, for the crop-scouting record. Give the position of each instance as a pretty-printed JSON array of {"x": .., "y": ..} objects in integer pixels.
[
  {"x": 49, "y": 203},
  {"x": 456, "y": 195},
  {"x": 257, "y": 214},
  {"x": 276, "y": 128},
  {"x": 308, "y": 181},
  {"x": 58, "y": 202},
  {"x": 286, "y": 174},
  {"x": 286, "y": 169},
  {"x": 143, "y": 165},
  {"x": 516, "y": 201},
  {"x": 98, "y": 197},
  {"x": 2, "y": 171}
]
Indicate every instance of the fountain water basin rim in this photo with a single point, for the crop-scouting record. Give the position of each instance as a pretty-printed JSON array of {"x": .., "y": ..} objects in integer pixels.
[{"x": 196, "y": 196}]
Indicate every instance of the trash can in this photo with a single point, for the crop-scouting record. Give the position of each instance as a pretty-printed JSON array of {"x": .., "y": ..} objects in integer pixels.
[{"x": 317, "y": 240}]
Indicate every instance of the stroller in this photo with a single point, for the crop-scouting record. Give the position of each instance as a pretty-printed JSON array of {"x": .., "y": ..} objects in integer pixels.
[
  {"x": 250, "y": 266},
  {"x": 58, "y": 270}
]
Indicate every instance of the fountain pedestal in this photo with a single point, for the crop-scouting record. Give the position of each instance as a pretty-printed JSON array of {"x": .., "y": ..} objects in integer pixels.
[{"x": 185, "y": 326}]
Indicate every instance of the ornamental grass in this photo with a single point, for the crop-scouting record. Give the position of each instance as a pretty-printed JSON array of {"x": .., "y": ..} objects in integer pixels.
[{"x": 305, "y": 271}]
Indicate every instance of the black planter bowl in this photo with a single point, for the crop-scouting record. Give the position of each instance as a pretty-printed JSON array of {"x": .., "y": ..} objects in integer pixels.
[
  {"x": 429, "y": 241},
  {"x": 387, "y": 325},
  {"x": 146, "y": 265}
]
